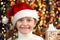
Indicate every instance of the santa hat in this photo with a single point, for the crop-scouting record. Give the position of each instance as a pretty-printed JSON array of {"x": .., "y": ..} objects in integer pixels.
[{"x": 20, "y": 10}]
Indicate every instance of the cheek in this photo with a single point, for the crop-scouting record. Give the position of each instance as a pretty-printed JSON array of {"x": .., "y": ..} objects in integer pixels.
[
  {"x": 18, "y": 24},
  {"x": 32, "y": 25}
]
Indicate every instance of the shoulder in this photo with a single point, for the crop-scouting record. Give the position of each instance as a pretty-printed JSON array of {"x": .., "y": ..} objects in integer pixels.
[{"x": 37, "y": 37}]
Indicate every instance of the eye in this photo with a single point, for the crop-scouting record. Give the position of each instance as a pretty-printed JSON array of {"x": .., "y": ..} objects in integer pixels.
[
  {"x": 20, "y": 20},
  {"x": 29, "y": 20}
]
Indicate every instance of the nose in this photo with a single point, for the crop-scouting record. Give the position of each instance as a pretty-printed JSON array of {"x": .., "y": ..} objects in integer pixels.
[{"x": 25, "y": 22}]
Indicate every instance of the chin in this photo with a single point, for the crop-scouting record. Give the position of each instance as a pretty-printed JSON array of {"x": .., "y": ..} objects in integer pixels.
[{"x": 24, "y": 32}]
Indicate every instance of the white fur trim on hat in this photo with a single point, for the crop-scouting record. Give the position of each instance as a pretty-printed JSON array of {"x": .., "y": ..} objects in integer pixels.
[{"x": 25, "y": 13}]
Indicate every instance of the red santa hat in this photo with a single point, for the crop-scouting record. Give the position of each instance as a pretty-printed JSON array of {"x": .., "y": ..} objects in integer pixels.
[{"x": 20, "y": 10}]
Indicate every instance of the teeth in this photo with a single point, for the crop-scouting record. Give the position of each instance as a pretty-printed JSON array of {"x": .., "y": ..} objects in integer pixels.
[{"x": 24, "y": 27}]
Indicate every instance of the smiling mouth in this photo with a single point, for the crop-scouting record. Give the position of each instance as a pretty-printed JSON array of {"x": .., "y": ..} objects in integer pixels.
[{"x": 25, "y": 27}]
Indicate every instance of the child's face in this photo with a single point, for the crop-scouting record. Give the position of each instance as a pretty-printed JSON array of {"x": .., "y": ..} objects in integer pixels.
[{"x": 25, "y": 25}]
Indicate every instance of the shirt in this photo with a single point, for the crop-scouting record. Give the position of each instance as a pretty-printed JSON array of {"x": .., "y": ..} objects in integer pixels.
[{"x": 29, "y": 36}]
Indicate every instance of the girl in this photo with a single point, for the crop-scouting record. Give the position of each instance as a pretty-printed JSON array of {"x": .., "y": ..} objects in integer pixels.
[{"x": 24, "y": 19}]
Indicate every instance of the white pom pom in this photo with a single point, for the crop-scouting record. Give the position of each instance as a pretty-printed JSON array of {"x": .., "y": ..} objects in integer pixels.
[{"x": 5, "y": 20}]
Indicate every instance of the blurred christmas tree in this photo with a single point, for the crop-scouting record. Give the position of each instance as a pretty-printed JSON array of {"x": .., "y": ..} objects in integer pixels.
[{"x": 49, "y": 11}]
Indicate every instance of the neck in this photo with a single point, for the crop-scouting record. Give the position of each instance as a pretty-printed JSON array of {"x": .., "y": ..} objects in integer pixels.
[{"x": 20, "y": 35}]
